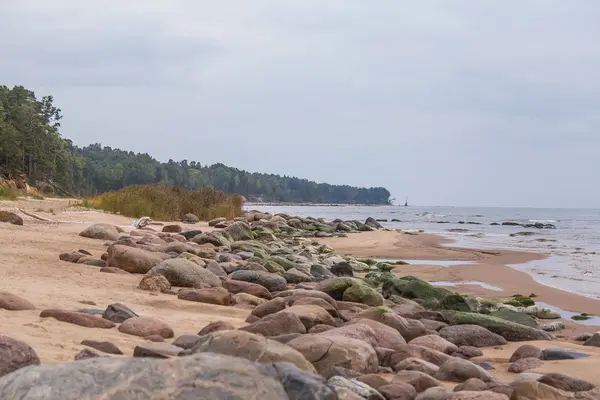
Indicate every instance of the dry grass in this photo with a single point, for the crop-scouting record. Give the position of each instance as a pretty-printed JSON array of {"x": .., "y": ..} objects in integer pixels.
[{"x": 167, "y": 203}]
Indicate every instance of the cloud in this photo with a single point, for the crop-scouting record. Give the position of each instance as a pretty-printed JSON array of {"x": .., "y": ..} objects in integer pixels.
[{"x": 458, "y": 103}]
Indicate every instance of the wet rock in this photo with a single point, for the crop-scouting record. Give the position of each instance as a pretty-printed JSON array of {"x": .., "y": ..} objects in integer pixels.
[
  {"x": 435, "y": 342},
  {"x": 12, "y": 302},
  {"x": 10, "y": 218},
  {"x": 526, "y": 351},
  {"x": 185, "y": 273},
  {"x": 216, "y": 295},
  {"x": 156, "y": 350},
  {"x": 355, "y": 386},
  {"x": 471, "y": 335},
  {"x": 459, "y": 370},
  {"x": 118, "y": 313},
  {"x": 133, "y": 260},
  {"x": 77, "y": 318},
  {"x": 15, "y": 354},
  {"x": 553, "y": 354},
  {"x": 272, "y": 282},
  {"x": 101, "y": 231},
  {"x": 105, "y": 347},
  {"x": 216, "y": 326},
  {"x": 251, "y": 347},
  {"x": 566, "y": 383},
  {"x": 146, "y": 326},
  {"x": 236, "y": 286},
  {"x": 328, "y": 352},
  {"x": 419, "y": 380},
  {"x": 154, "y": 283},
  {"x": 524, "y": 364}
]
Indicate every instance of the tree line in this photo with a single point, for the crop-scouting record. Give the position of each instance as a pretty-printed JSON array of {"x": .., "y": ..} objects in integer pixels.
[{"x": 32, "y": 147}]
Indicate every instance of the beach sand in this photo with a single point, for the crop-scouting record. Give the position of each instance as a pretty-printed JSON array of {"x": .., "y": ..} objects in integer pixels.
[{"x": 30, "y": 267}]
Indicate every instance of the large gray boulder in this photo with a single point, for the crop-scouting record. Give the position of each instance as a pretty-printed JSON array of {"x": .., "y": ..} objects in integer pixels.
[
  {"x": 184, "y": 273},
  {"x": 199, "y": 376},
  {"x": 133, "y": 260}
]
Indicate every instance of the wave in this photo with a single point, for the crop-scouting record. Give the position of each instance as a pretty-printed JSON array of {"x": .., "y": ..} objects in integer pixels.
[{"x": 543, "y": 221}]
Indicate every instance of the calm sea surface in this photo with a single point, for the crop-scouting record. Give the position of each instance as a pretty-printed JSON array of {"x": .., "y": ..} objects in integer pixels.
[{"x": 573, "y": 247}]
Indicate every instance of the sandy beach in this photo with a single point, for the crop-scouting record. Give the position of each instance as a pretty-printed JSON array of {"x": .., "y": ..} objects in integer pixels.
[{"x": 30, "y": 267}]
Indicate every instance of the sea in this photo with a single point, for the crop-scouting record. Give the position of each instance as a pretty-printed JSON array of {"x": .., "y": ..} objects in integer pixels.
[{"x": 572, "y": 247}]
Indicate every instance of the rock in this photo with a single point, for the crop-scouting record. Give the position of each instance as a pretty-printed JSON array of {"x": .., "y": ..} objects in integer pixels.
[
  {"x": 355, "y": 386},
  {"x": 285, "y": 338},
  {"x": 296, "y": 294},
  {"x": 369, "y": 331},
  {"x": 374, "y": 380},
  {"x": 154, "y": 338},
  {"x": 186, "y": 341},
  {"x": 146, "y": 326},
  {"x": 313, "y": 301},
  {"x": 398, "y": 391},
  {"x": 200, "y": 376},
  {"x": 214, "y": 295},
  {"x": 328, "y": 352},
  {"x": 541, "y": 312},
  {"x": 105, "y": 347},
  {"x": 15, "y": 354},
  {"x": 342, "y": 269},
  {"x": 471, "y": 385},
  {"x": 553, "y": 354},
  {"x": 405, "y": 307},
  {"x": 435, "y": 342},
  {"x": 335, "y": 287},
  {"x": 216, "y": 326},
  {"x": 71, "y": 257},
  {"x": 515, "y": 316},
  {"x": 416, "y": 364},
  {"x": 190, "y": 218},
  {"x": 293, "y": 275},
  {"x": 154, "y": 283},
  {"x": 114, "y": 270},
  {"x": 534, "y": 390},
  {"x": 363, "y": 294},
  {"x": 413, "y": 288},
  {"x": 524, "y": 364},
  {"x": 86, "y": 353},
  {"x": 251, "y": 347},
  {"x": 468, "y": 352},
  {"x": 485, "y": 365},
  {"x": 272, "y": 282},
  {"x": 424, "y": 353},
  {"x": 215, "y": 238},
  {"x": 216, "y": 269},
  {"x": 248, "y": 299},
  {"x": 432, "y": 325},
  {"x": 435, "y": 393},
  {"x": 311, "y": 315},
  {"x": 509, "y": 330},
  {"x": 419, "y": 380},
  {"x": 10, "y": 218},
  {"x": 459, "y": 370},
  {"x": 101, "y": 231},
  {"x": 235, "y": 286},
  {"x": 485, "y": 395},
  {"x": 174, "y": 228},
  {"x": 216, "y": 221},
  {"x": 77, "y": 318},
  {"x": 583, "y": 337},
  {"x": 133, "y": 260},
  {"x": 12, "y": 302},
  {"x": 156, "y": 350},
  {"x": 566, "y": 383},
  {"x": 118, "y": 313},
  {"x": 408, "y": 328},
  {"x": 280, "y": 323},
  {"x": 239, "y": 231},
  {"x": 552, "y": 326},
  {"x": 184, "y": 273},
  {"x": 593, "y": 340},
  {"x": 190, "y": 234},
  {"x": 526, "y": 351},
  {"x": 471, "y": 335}
]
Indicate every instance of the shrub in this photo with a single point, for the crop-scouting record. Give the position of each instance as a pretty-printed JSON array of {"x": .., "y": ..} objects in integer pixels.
[
  {"x": 163, "y": 202},
  {"x": 9, "y": 193}
]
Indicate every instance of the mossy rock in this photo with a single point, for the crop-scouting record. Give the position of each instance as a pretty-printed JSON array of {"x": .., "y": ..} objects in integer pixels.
[
  {"x": 378, "y": 278},
  {"x": 273, "y": 267},
  {"x": 240, "y": 231},
  {"x": 414, "y": 288},
  {"x": 259, "y": 249},
  {"x": 511, "y": 331},
  {"x": 335, "y": 287},
  {"x": 384, "y": 267},
  {"x": 581, "y": 317},
  {"x": 363, "y": 294},
  {"x": 284, "y": 262},
  {"x": 514, "y": 316},
  {"x": 456, "y": 302},
  {"x": 368, "y": 261}
]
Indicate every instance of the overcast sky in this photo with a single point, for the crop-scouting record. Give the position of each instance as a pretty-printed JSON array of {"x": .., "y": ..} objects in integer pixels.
[{"x": 449, "y": 102}]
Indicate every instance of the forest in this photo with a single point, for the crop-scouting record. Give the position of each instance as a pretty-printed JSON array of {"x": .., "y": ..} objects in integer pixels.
[{"x": 32, "y": 147}]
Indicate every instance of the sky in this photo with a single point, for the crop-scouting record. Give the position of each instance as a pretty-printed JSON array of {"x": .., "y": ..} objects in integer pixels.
[{"x": 448, "y": 102}]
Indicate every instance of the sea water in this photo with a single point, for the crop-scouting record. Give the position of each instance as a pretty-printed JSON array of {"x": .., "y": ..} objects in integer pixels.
[{"x": 573, "y": 247}]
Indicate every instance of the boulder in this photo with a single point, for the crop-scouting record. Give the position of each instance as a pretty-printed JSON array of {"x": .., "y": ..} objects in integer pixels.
[
  {"x": 541, "y": 312},
  {"x": 342, "y": 269},
  {"x": 173, "y": 228},
  {"x": 566, "y": 383},
  {"x": 471, "y": 385},
  {"x": 216, "y": 221},
  {"x": 214, "y": 295},
  {"x": 335, "y": 287},
  {"x": 248, "y": 299},
  {"x": 408, "y": 328},
  {"x": 146, "y": 326},
  {"x": 10, "y": 218},
  {"x": 369, "y": 331},
  {"x": 118, "y": 313},
  {"x": 435, "y": 342},
  {"x": 87, "y": 353},
  {"x": 511, "y": 331},
  {"x": 515, "y": 316},
  {"x": 215, "y": 238},
  {"x": 467, "y": 352},
  {"x": 311, "y": 315},
  {"x": 328, "y": 352},
  {"x": 471, "y": 335},
  {"x": 236, "y": 286},
  {"x": 190, "y": 218},
  {"x": 101, "y": 231},
  {"x": 314, "y": 301},
  {"x": 251, "y": 347},
  {"x": 77, "y": 318},
  {"x": 416, "y": 364},
  {"x": 593, "y": 340},
  {"x": 409, "y": 350},
  {"x": 295, "y": 294},
  {"x": 280, "y": 323},
  {"x": 419, "y": 380},
  {"x": 184, "y": 273},
  {"x": 156, "y": 350},
  {"x": 216, "y": 326},
  {"x": 12, "y": 302},
  {"x": 526, "y": 351},
  {"x": 294, "y": 275},
  {"x": 553, "y": 354},
  {"x": 363, "y": 294},
  {"x": 272, "y": 282},
  {"x": 524, "y": 364},
  {"x": 534, "y": 390},
  {"x": 15, "y": 354},
  {"x": 374, "y": 380},
  {"x": 103, "y": 346},
  {"x": 459, "y": 370},
  {"x": 199, "y": 376},
  {"x": 270, "y": 307},
  {"x": 133, "y": 260},
  {"x": 154, "y": 283},
  {"x": 398, "y": 391},
  {"x": 239, "y": 231},
  {"x": 362, "y": 390},
  {"x": 186, "y": 342}
]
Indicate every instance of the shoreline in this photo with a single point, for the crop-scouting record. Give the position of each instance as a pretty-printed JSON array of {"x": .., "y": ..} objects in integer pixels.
[{"x": 490, "y": 266}]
